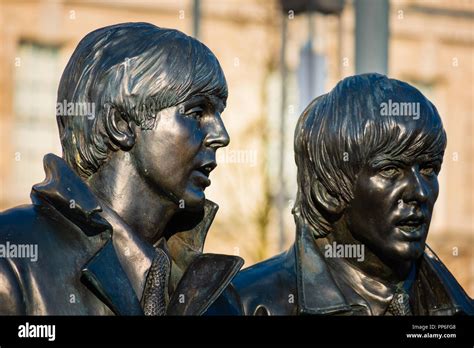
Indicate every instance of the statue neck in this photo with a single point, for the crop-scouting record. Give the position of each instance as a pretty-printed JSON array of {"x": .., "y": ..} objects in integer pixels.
[
  {"x": 118, "y": 184},
  {"x": 390, "y": 273}
]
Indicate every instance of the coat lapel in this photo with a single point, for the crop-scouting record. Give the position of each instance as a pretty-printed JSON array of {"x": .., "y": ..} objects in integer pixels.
[
  {"x": 197, "y": 279},
  {"x": 317, "y": 290},
  {"x": 106, "y": 278},
  {"x": 202, "y": 283},
  {"x": 439, "y": 290}
]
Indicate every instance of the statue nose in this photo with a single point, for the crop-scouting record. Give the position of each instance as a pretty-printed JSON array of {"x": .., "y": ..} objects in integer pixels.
[
  {"x": 417, "y": 189},
  {"x": 217, "y": 135}
]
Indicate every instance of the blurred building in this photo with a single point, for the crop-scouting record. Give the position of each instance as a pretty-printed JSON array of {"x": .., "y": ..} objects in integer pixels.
[{"x": 430, "y": 45}]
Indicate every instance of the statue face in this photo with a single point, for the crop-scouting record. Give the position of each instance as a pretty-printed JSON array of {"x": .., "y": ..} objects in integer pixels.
[
  {"x": 393, "y": 203},
  {"x": 176, "y": 158}
]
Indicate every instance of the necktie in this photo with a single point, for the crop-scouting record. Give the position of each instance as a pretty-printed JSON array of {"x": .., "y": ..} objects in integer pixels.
[
  {"x": 400, "y": 304},
  {"x": 155, "y": 294}
]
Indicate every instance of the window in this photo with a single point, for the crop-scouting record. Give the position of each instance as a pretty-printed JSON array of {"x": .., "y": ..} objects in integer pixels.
[{"x": 34, "y": 131}]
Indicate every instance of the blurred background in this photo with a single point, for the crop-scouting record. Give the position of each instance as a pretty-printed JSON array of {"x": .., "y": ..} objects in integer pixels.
[{"x": 277, "y": 56}]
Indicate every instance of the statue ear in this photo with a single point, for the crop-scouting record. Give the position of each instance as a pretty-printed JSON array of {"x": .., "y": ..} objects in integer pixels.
[
  {"x": 118, "y": 129},
  {"x": 330, "y": 203}
]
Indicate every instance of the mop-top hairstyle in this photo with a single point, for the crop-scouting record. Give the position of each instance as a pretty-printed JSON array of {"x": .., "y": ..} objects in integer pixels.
[
  {"x": 137, "y": 69},
  {"x": 340, "y": 132}
]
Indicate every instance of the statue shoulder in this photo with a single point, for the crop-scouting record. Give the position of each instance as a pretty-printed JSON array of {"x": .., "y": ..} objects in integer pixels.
[
  {"x": 17, "y": 221},
  {"x": 17, "y": 226},
  {"x": 268, "y": 287},
  {"x": 438, "y": 273}
]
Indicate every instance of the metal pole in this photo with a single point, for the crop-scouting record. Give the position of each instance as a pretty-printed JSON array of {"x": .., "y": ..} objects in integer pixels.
[
  {"x": 196, "y": 18},
  {"x": 281, "y": 204},
  {"x": 310, "y": 53},
  {"x": 340, "y": 43},
  {"x": 371, "y": 36}
]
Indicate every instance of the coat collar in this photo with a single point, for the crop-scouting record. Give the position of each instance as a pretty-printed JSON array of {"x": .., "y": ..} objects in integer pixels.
[
  {"x": 317, "y": 290},
  {"x": 442, "y": 282},
  {"x": 68, "y": 194},
  {"x": 196, "y": 279},
  {"x": 118, "y": 270}
]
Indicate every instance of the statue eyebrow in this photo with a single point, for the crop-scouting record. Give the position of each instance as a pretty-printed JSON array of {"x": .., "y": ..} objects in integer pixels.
[
  {"x": 218, "y": 103},
  {"x": 430, "y": 158},
  {"x": 209, "y": 102},
  {"x": 195, "y": 101},
  {"x": 381, "y": 160},
  {"x": 386, "y": 159}
]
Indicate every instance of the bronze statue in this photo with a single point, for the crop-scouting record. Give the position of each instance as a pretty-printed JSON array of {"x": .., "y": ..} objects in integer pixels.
[
  {"x": 368, "y": 155},
  {"x": 120, "y": 221}
]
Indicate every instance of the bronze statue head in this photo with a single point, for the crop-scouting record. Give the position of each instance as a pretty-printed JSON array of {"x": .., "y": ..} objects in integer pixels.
[
  {"x": 157, "y": 94},
  {"x": 368, "y": 156}
]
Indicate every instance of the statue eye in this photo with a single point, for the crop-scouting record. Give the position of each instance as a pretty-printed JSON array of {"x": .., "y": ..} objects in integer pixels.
[
  {"x": 196, "y": 113},
  {"x": 389, "y": 171},
  {"x": 429, "y": 170}
]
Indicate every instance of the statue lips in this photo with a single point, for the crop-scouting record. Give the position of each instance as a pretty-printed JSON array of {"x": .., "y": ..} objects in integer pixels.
[
  {"x": 201, "y": 173},
  {"x": 413, "y": 227}
]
